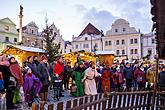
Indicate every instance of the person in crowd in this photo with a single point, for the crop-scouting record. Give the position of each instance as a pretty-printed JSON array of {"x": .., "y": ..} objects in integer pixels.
[
  {"x": 44, "y": 69},
  {"x": 128, "y": 75},
  {"x": 112, "y": 71},
  {"x": 118, "y": 79},
  {"x": 2, "y": 89},
  {"x": 98, "y": 79},
  {"x": 78, "y": 58},
  {"x": 9, "y": 82},
  {"x": 105, "y": 79},
  {"x": 89, "y": 80},
  {"x": 150, "y": 76},
  {"x": 161, "y": 79},
  {"x": 15, "y": 70},
  {"x": 58, "y": 70},
  {"x": 139, "y": 76},
  {"x": 35, "y": 60},
  {"x": 67, "y": 74},
  {"x": 31, "y": 87},
  {"x": 32, "y": 65},
  {"x": 77, "y": 76}
]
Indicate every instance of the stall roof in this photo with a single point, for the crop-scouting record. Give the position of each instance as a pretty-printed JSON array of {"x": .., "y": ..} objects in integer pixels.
[
  {"x": 104, "y": 52},
  {"x": 29, "y": 49}
]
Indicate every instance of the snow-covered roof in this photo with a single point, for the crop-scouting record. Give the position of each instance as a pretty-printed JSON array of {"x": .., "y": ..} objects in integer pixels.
[
  {"x": 29, "y": 49},
  {"x": 104, "y": 52}
]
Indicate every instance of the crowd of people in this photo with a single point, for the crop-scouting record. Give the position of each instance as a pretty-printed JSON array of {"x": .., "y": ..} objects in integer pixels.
[{"x": 85, "y": 78}]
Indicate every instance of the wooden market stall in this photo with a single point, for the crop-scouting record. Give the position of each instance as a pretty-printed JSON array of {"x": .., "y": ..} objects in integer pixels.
[
  {"x": 21, "y": 53},
  {"x": 85, "y": 56},
  {"x": 105, "y": 57}
]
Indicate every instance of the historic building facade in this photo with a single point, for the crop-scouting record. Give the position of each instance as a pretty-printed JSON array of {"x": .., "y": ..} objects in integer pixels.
[
  {"x": 123, "y": 40},
  {"x": 31, "y": 37},
  {"x": 149, "y": 45},
  {"x": 89, "y": 40},
  {"x": 8, "y": 33},
  {"x": 58, "y": 39}
]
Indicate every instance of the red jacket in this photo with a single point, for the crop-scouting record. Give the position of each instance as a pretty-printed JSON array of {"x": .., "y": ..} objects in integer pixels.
[
  {"x": 58, "y": 68},
  {"x": 139, "y": 74}
]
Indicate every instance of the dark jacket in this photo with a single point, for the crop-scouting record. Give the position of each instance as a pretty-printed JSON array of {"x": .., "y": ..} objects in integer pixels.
[
  {"x": 161, "y": 79},
  {"x": 6, "y": 75},
  {"x": 34, "y": 68},
  {"x": 44, "y": 70},
  {"x": 128, "y": 73}
]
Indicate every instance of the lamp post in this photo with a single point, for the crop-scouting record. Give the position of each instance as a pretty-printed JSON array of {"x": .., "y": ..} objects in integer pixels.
[{"x": 102, "y": 34}]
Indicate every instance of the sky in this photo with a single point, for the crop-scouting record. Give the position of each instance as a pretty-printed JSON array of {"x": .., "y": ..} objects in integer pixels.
[{"x": 71, "y": 16}]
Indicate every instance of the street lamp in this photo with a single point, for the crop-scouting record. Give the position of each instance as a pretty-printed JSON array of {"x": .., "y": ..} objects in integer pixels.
[{"x": 102, "y": 34}]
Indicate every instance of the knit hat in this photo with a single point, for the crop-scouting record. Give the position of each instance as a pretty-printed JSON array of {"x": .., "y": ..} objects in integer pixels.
[
  {"x": 10, "y": 57},
  {"x": 80, "y": 63},
  {"x": 43, "y": 57},
  {"x": 26, "y": 69}
]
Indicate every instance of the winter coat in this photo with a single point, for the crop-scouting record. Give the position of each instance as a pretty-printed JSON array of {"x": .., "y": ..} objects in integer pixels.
[
  {"x": 105, "y": 79},
  {"x": 34, "y": 68},
  {"x": 150, "y": 76},
  {"x": 43, "y": 70},
  {"x": 58, "y": 69},
  {"x": 139, "y": 75},
  {"x": 16, "y": 72},
  {"x": 161, "y": 79},
  {"x": 128, "y": 73},
  {"x": 118, "y": 78},
  {"x": 67, "y": 72}
]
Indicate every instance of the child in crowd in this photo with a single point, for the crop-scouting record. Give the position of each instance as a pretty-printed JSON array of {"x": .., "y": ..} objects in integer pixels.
[{"x": 32, "y": 86}]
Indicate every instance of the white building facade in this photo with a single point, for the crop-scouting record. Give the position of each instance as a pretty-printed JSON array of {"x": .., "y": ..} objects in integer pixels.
[
  {"x": 149, "y": 45},
  {"x": 123, "y": 40},
  {"x": 89, "y": 40}
]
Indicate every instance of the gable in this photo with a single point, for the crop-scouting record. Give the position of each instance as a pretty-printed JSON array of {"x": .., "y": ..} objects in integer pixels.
[
  {"x": 32, "y": 24},
  {"x": 7, "y": 21}
]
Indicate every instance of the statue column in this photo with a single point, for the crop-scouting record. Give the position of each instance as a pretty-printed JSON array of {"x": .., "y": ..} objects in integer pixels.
[{"x": 20, "y": 24}]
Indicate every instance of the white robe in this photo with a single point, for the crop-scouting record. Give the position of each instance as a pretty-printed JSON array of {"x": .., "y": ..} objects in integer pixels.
[{"x": 89, "y": 81}]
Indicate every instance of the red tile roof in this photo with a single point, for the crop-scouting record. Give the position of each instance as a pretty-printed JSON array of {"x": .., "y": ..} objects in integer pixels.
[{"x": 90, "y": 29}]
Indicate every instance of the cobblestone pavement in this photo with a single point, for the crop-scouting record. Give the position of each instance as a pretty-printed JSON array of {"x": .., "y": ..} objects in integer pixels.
[{"x": 24, "y": 106}]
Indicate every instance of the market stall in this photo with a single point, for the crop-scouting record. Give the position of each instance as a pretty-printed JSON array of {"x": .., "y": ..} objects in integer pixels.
[
  {"x": 105, "y": 57},
  {"x": 85, "y": 56},
  {"x": 21, "y": 53}
]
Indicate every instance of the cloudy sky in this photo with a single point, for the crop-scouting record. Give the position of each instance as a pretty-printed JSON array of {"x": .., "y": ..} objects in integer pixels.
[{"x": 71, "y": 16}]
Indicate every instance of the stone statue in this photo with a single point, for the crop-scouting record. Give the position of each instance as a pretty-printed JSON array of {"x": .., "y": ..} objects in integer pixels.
[{"x": 21, "y": 10}]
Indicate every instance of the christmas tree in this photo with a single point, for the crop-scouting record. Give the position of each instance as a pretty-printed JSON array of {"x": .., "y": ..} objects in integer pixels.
[{"x": 51, "y": 47}]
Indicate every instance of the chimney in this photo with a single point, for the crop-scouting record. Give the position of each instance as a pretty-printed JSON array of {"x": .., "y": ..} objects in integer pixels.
[{"x": 20, "y": 24}]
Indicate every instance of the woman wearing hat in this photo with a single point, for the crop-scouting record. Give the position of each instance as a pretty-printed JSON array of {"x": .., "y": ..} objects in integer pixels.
[{"x": 44, "y": 69}]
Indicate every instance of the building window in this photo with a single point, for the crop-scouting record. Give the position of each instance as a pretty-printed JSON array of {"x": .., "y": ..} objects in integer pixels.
[
  {"x": 7, "y": 28},
  {"x": 131, "y": 41},
  {"x": 131, "y": 51},
  {"x": 135, "y": 41},
  {"x": 124, "y": 29},
  {"x": 123, "y": 52},
  {"x": 136, "y": 51},
  {"x": 117, "y": 42},
  {"x": 86, "y": 38},
  {"x": 153, "y": 41},
  {"x": 15, "y": 39},
  {"x": 106, "y": 43},
  {"x": 76, "y": 46},
  {"x": 32, "y": 31},
  {"x": 116, "y": 30},
  {"x": 123, "y": 41},
  {"x": 7, "y": 39},
  {"x": 110, "y": 43},
  {"x": 117, "y": 52},
  {"x": 85, "y": 45}
]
